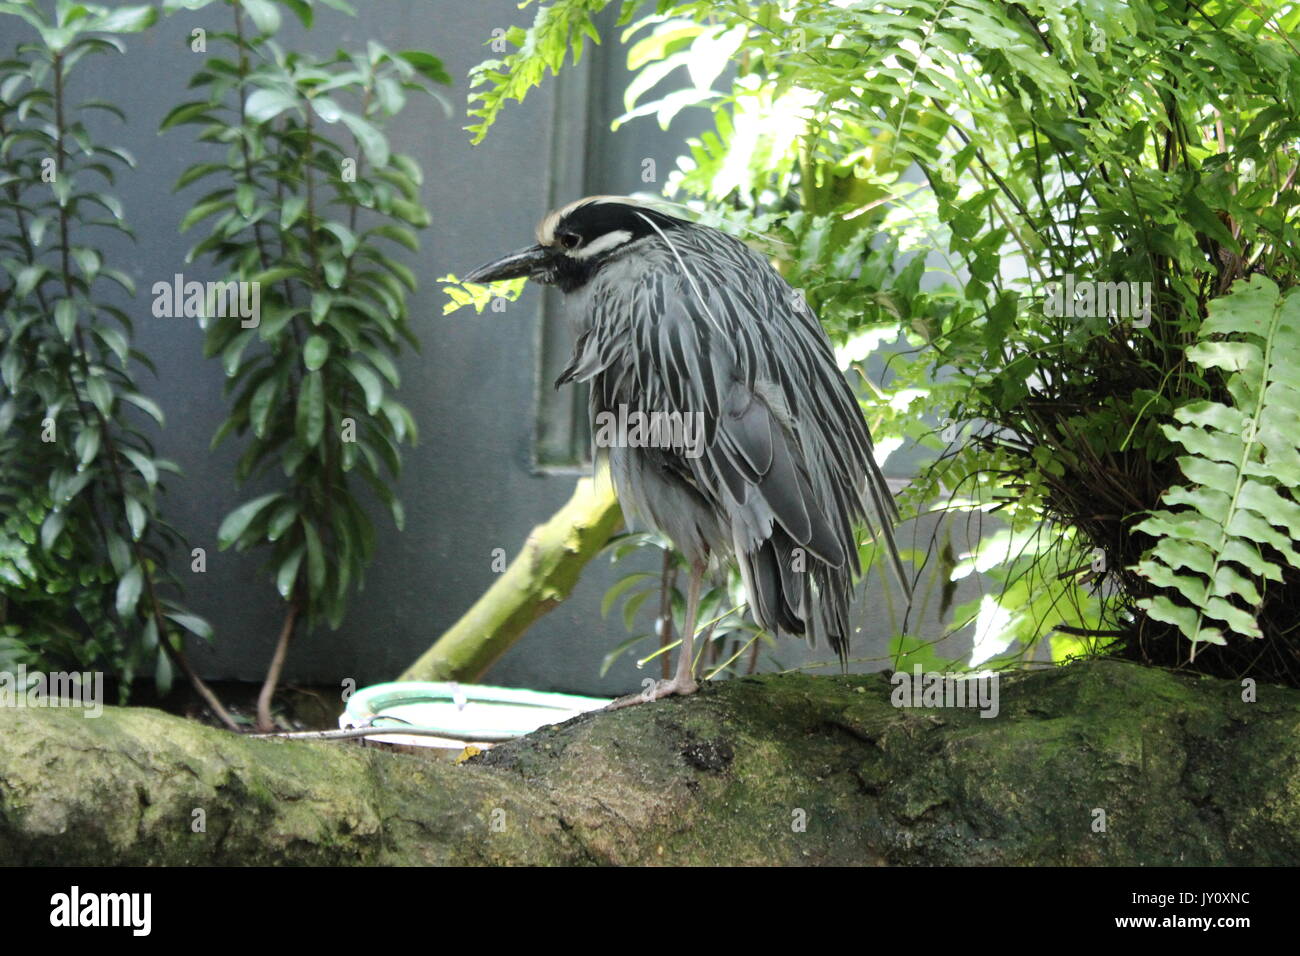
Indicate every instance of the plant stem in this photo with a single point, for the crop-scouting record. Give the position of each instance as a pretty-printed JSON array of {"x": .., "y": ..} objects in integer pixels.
[{"x": 264, "y": 724}]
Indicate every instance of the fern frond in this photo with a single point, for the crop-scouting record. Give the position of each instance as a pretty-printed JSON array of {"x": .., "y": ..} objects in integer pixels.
[
  {"x": 1237, "y": 518},
  {"x": 558, "y": 28}
]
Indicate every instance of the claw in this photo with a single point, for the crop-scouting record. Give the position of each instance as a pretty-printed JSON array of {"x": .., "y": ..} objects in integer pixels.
[{"x": 661, "y": 689}]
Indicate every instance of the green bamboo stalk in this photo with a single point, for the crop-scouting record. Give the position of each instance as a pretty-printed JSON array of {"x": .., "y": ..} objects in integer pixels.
[{"x": 540, "y": 577}]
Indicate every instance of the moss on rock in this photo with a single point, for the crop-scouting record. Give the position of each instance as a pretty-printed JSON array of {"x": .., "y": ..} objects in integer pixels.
[{"x": 785, "y": 769}]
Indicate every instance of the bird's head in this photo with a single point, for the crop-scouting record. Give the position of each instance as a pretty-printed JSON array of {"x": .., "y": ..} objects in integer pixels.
[{"x": 577, "y": 240}]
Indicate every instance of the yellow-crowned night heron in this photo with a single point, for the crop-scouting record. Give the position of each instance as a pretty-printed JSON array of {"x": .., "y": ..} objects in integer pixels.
[{"x": 681, "y": 321}]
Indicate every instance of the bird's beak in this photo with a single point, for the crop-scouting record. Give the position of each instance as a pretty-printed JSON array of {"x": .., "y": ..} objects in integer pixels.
[{"x": 533, "y": 262}]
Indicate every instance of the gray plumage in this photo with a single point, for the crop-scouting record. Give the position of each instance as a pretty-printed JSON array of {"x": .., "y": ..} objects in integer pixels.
[{"x": 672, "y": 316}]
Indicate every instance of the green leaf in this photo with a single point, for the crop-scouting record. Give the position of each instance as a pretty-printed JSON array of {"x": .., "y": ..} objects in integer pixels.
[
  {"x": 110, "y": 202},
  {"x": 261, "y": 405},
  {"x": 196, "y": 172},
  {"x": 28, "y": 277},
  {"x": 373, "y": 142},
  {"x": 128, "y": 592},
  {"x": 347, "y": 241},
  {"x": 315, "y": 558},
  {"x": 400, "y": 418},
  {"x": 303, "y": 9},
  {"x": 64, "y": 486},
  {"x": 287, "y": 573},
  {"x": 65, "y": 318},
  {"x": 36, "y": 227},
  {"x": 197, "y": 111},
  {"x": 87, "y": 444},
  {"x": 632, "y": 605},
  {"x": 276, "y": 273},
  {"x": 203, "y": 210},
  {"x": 281, "y": 521},
  {"x": 291, "y": 210},
  {"x": 403, "y": 273},
  {"x": 615, "y": 591},
  {"x": 310, "y": 422},
  {"x": 321, "y": 303},
  {"x": 428, "y": 66},
  {"x": 383, "y": 363},
  {"x": 88, "y": 260},
  {"x": 410, "y": 212},
  {"x": 52, "y": 527},
  {"x": 369, "y": 382},
  {"x": 266, "y": 105},
  {"x": 143, "y": 464},
  {"x": 245, "y": 200},
  {"x": 162, "y": 673},
  {"x": 119, "y": 552},
  {"x": 148, "y": 405},
  {"x": 192, "y": 623},
  {"x": 398, "y": 234},
  {"x": 326, "y": 109},
  {"x": 389, "y": 94},
  {"x": 409, "y": 168},
  {"x": 101, "y": 394},
  {"x": 315, "y": 352},
  {"x": 1242, "y": 472},
  {"x": 232, "y": 355},
  {"x": 116, "y": 343},
  {"x": 264, "y": 15},
  {"x": 127, "y": 20},
  {"x": 237, "y": 522},
  {"x": 275, "y": 319},
  {"x": 137, "y": 518},
  {"x": 335, "y": 271}
]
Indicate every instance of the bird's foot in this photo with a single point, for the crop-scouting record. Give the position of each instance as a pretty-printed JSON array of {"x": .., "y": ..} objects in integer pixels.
[{"x": 663, "y": 688}]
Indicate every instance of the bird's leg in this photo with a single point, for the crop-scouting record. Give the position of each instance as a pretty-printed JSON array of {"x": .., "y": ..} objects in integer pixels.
[
  {"x": 683, "y": 681},
  {"x": 706, "y": 635}
]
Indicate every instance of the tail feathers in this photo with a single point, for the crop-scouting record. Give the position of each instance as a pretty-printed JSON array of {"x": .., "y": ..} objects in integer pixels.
[
  {"x": 896, "y": 561},
  {"x": 774, "y": 596},
  {"x": 793, "y": 592},
  {"x": 886, "y": 513}
]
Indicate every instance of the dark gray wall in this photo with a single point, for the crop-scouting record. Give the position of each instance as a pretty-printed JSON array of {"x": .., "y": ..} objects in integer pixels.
[{"x": 470, "y": 485}]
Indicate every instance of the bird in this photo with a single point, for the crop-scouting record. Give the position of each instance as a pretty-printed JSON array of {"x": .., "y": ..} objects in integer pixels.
[{"x": 675, "y": 318}]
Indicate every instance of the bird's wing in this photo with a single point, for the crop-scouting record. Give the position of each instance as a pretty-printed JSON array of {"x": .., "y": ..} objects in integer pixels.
[
  {"x": 709, "y": 328},
  {"x": 786, "y": 352},
  {"x": 702, "y": 345}
]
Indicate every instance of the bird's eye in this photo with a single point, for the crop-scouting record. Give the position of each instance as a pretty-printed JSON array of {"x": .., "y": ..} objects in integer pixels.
[{"x": 570, "y": 240}]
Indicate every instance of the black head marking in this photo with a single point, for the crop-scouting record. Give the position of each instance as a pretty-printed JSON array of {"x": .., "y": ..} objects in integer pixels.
[
  {"x": 586, "y": 234},
  {"x": 589, "y": 220}
]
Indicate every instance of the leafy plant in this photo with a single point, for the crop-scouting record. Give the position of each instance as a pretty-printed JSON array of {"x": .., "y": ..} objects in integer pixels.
[
  {"x": 1237, "y": 523},
  {"x": 933, "y": 174},
  {"x": 83, "y": 578},
  {"x": 543, "y": 47},
  {"x": 728, "y": 642},
  {"x": 307, "y": 200}
]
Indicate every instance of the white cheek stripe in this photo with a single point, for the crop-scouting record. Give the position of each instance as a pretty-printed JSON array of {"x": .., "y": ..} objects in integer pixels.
[{"x": 606, "y": 242}]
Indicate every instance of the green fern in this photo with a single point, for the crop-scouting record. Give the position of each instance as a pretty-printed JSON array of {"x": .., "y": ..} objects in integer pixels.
[
  {"x": 557, "y": 29},
  {"x": 1238, "y": 518}
]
